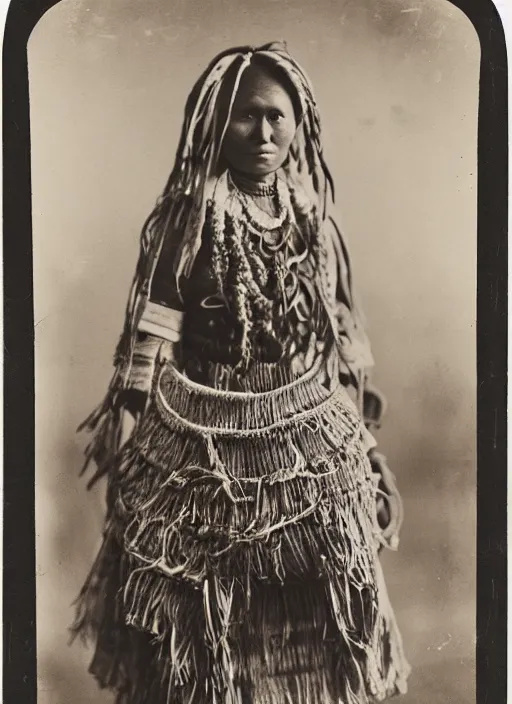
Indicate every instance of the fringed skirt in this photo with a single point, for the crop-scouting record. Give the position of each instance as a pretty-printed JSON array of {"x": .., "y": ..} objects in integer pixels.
[{"x": 240, "y": 557}]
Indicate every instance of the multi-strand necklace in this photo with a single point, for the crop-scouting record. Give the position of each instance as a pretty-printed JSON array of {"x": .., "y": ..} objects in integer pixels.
[
  {"x": 256, "y": 254},
  {"x": 272, "y": 229}
]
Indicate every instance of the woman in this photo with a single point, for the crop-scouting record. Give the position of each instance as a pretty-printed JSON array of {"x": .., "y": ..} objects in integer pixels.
[{"x": 240, "y": 555}]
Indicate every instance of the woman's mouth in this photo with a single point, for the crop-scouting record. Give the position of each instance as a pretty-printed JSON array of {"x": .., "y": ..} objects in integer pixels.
[{"x": 263, "y": 154}]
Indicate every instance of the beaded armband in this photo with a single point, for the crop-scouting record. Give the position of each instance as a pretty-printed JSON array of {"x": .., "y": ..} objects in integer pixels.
[
  {"x": 161, "y": 321},
  {"x": 158, "y": 323}
]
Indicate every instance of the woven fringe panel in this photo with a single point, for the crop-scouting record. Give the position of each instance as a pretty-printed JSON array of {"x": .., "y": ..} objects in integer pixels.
[
  {"x": 286, "y": 648},
  {"x": 240, "y": 564}
]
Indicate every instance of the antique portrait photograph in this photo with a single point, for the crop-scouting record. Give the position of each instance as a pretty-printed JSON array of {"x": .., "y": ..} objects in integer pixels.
[{"x": 255, "y": 302}]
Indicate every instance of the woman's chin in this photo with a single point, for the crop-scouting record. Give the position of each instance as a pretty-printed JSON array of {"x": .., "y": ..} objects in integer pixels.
[{"x": 257, "y": 170}]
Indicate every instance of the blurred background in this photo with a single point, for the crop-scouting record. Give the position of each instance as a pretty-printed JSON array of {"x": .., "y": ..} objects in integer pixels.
[{"x": 397, "y": 85}]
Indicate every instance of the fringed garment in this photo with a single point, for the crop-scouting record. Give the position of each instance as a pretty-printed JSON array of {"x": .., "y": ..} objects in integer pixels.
[
  {"x": 240, "y": 556},
  {"x": 240, "y": 561}
]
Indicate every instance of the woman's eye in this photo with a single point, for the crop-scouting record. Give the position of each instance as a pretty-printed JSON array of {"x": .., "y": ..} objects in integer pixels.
[{"x": 275, "y": 117}]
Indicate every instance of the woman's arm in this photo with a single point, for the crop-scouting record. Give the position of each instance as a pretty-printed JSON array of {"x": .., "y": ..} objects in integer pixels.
[
  {"x": 356, "y": 354},
  {"x": 354, "y": 345},
  {"x": 160, "y": 323}
]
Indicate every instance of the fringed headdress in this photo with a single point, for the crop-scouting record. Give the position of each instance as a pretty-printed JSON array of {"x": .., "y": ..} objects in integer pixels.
[{"x": 181, "y": 209}]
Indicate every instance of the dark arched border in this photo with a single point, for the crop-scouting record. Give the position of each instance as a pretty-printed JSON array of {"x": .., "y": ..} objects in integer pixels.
[{"x": 19, "y": 674}]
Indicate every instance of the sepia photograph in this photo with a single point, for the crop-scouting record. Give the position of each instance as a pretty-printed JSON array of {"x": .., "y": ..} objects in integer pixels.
[{"x": 255, "y": 302}]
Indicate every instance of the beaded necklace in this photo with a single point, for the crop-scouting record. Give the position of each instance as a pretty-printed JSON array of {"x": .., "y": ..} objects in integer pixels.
[
  {"x": 254, "y": 188},
  {"x": 256, "y": 256},
  {"x": 260, "y": 220}
]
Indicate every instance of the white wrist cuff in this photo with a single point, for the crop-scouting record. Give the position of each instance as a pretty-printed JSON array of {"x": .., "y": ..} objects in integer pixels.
[{"x": 143, "y": 363}]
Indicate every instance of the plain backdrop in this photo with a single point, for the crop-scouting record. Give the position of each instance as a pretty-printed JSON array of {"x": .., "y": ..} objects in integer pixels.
[{"x": 397, "y": 85}]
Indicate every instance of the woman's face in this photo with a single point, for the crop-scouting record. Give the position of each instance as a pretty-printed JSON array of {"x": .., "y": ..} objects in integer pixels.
[{"x": 262, "y": 125}]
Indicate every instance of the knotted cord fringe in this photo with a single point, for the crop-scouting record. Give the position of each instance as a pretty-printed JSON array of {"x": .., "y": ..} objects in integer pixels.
[{"x": 240, "y": 560}]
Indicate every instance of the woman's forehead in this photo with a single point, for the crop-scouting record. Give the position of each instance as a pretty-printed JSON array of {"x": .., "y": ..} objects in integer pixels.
[{"x": 259, "y": 87}]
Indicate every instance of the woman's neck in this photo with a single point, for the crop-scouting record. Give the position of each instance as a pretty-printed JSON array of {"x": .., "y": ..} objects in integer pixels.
[{"x": 255, "y": 185}]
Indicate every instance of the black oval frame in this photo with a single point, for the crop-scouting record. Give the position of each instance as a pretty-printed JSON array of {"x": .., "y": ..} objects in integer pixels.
[{"x": 19, "y": 612}]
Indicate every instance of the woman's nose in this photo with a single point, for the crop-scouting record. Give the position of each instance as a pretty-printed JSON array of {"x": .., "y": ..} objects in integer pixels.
[{"x": 263, "y": 130}]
